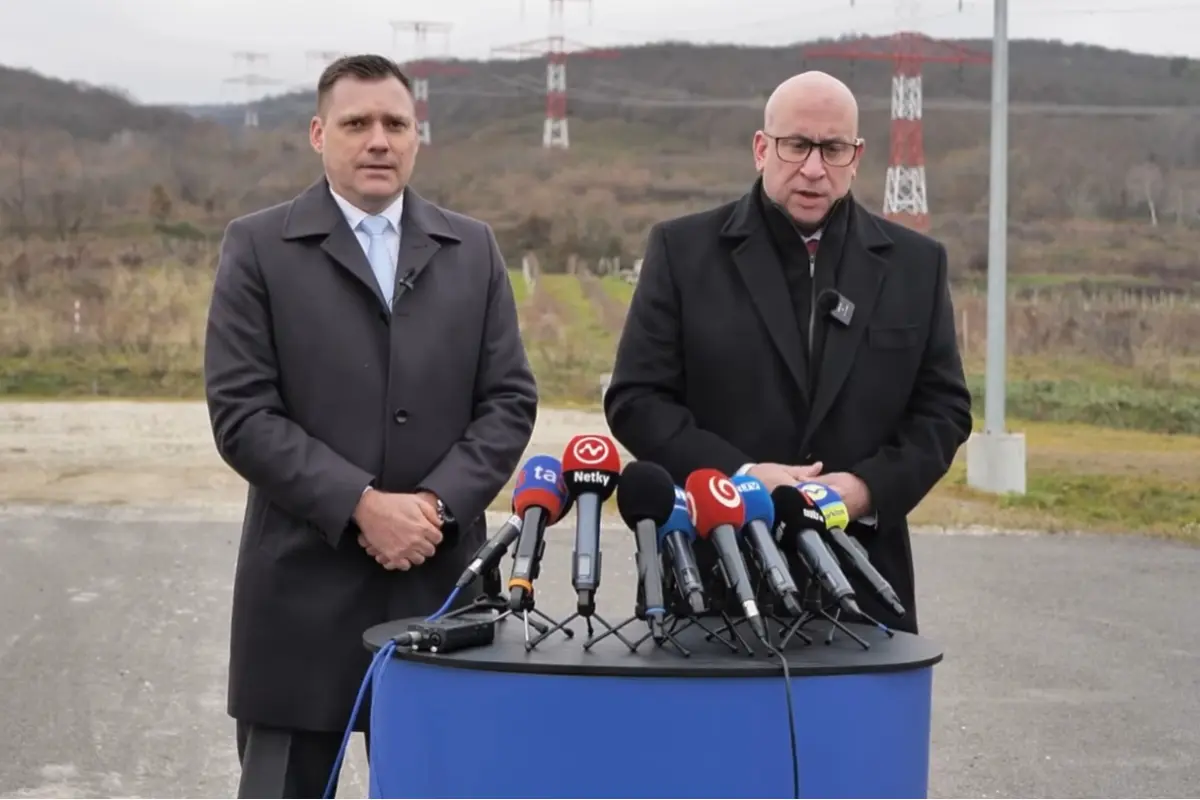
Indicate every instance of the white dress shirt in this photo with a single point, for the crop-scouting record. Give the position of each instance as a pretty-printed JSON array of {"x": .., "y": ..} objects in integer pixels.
[{"x": 354, "y": 215}]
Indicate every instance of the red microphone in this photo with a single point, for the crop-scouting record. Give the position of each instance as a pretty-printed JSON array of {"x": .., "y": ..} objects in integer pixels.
[
  {"x": 591, "y": 467},
  {"x": 718, "y": 513}
]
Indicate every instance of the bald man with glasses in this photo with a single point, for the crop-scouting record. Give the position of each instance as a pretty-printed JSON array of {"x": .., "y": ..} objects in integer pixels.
[{"x": 793, "y": 334}]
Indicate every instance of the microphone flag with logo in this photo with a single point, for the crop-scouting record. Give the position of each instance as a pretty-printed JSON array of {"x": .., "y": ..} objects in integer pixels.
[
  {"x": 675, "y": 538},
  {"x": 591, "y": 468},
  {"x": 717, "y": 512},
  {"x": 760, "y": 516},
  {"x": 836, "y": 517},
  {"x": 538, "y": 500}
]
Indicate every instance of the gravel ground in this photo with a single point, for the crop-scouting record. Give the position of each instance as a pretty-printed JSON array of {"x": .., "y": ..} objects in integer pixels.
[{"x": 1072, "y": 662}]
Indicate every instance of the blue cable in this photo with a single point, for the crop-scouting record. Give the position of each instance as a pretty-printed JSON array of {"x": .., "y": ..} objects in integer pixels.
[{"x": 374, "y": 673}]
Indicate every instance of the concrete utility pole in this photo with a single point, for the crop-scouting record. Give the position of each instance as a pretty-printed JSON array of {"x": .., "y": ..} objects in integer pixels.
[{"x": 996, "y": 458}]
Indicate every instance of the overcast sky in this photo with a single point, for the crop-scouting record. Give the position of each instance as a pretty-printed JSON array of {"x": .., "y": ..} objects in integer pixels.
[{"x": 182, "y": 51}]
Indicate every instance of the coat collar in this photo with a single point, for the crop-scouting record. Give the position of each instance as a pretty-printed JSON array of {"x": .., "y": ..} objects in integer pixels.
[
  {"x": 859, "y": 278},
  {"x": 424, "y": 228}
]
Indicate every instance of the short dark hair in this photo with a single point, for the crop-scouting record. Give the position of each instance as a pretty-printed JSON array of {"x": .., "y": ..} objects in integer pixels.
[{"x": 366, "y": 67}]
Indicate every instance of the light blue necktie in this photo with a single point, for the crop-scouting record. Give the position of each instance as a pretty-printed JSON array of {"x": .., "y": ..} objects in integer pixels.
[{"x": 377, "y": 253}]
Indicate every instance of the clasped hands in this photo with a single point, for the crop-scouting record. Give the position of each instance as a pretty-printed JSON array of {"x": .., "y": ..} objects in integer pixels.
[
  {"x": 399, "y": 531},
  {"x": 854, "y": 492}
]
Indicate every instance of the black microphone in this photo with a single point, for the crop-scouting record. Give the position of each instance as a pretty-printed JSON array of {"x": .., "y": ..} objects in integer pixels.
[
  {"x": 718, "y": 513},
  {"x": 837, "y": 517},
  {"x": 675, "y": 537},
  {"x": 834, "y": 304},
  {"x": 760, "y": 516},
  {"x": 488, "y": 556},
  {"x": 645, "y": 501},
  {"x": 591, "y": 467},
  {"x": 538, "y": 500},
  {"x": 798, "y": 529}
]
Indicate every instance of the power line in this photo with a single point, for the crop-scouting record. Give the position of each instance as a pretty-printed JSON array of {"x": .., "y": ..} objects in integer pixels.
[{"x": 555, "y": 132}]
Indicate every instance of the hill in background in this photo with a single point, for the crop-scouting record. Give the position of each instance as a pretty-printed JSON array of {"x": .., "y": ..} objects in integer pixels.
[{"x": 657, "y": 130}]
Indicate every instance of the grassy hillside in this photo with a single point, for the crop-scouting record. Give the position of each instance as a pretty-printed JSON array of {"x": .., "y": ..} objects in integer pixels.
[{"x": 110, "y": 215}]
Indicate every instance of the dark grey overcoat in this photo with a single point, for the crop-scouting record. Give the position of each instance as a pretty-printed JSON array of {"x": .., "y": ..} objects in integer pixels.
[{"x": 315, "y": 391}]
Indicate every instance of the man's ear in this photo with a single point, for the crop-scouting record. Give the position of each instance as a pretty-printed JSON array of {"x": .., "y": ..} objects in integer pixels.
[
  {"x": 759, "y": 148},
  {"x": 316, "y": 134}
]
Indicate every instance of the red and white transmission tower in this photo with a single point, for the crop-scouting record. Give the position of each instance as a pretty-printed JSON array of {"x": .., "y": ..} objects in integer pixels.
[
  {"x": 905, "y": 196},
  {"x": 556, "y": 133},
  {"x": 421, "y": 67}
]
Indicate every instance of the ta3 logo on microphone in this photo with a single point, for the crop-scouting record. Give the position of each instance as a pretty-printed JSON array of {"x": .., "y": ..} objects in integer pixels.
[
  {"x": 724, "y": 492},
  {"x": 590, "y": 450}
]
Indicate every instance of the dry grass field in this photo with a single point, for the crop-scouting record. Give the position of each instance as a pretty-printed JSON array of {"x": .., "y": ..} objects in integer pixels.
[{"x": 147, "y": 453}]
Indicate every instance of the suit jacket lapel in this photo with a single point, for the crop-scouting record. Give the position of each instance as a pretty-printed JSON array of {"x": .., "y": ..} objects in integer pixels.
[
  {"x": 860, "y": 277},
  {"x": 314, "y": 213},
  {"x": 758, "y": 264},
  {"x": 423, "y": 228}
]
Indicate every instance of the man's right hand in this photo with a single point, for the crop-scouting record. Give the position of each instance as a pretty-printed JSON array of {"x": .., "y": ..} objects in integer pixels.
[
  {"x": 399, "y": 530},
  {"x": 773, "y": 475}
]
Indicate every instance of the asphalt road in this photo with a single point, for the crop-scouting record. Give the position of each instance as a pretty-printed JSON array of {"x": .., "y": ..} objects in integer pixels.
[{"x": 1072, "y": 664}]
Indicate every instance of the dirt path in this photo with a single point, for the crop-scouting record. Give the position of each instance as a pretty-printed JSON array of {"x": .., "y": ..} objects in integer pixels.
[{"x": 148, "y": 453}]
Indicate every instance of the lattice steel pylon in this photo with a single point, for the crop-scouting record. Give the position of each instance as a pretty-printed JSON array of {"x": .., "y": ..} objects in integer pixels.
[
  {"x": 251, "y": 80},
  {"x": 421, "y": 68},
  {"x": 905, "y": 197},
  {"x": 555, "y": 130}
]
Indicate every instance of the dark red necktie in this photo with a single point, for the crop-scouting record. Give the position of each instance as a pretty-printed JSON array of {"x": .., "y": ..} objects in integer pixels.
[{"x": 812, "y": 245}]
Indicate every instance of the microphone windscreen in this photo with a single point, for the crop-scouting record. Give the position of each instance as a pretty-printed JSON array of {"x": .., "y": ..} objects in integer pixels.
[
  {"x": 827, "y": 301},
  {"x": 591, "y": 463},
  {"x": 828, "y": 502},
  {"x": 646, "y": 491},
  {"x": 680, "y": 519},
  {"x": 795, "y": 508},
  {"x": 713, "y": 500},
  {"x": 756, "y": 499},
  {"x": 540, "y": 483}
]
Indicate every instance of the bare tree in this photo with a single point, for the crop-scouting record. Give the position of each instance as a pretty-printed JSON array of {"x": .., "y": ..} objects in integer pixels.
[{"x": 15, "y": 202}]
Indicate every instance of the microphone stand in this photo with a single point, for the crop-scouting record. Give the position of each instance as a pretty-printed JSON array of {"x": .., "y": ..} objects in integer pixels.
[
  {"x": 815, "y": 597},
  {"x": 639, "y": 613},
  {"x": 592, "y": 638},
  {"x": 725, "y": 598},
  {"x": 680, "y": 617},
  {"x": 770, "y": 605},
  {"x": 493, "y": 598}
]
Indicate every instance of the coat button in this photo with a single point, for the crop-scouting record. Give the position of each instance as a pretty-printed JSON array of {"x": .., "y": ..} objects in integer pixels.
[{"x": 401, "y": 416}]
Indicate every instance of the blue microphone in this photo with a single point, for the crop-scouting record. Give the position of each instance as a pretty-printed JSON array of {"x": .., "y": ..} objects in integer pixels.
[
  {"x": 539, "y": 500},
  {"x": 675, "y": 537},
  {"x": 760, "y": 517}
]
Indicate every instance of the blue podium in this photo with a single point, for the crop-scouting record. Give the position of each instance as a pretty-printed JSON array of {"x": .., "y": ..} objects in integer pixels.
[{"x": 562, "y": 722}]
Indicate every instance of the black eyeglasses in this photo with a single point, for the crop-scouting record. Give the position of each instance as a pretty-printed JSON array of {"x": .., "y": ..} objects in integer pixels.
[{"x": 834, "y": 152}]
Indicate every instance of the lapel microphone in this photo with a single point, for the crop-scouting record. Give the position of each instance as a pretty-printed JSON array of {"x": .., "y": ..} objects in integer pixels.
[{"x": 834, "y": 304}]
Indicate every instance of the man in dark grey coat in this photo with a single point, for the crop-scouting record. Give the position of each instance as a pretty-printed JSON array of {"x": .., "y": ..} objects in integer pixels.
[{"x": 365, "y": 374}]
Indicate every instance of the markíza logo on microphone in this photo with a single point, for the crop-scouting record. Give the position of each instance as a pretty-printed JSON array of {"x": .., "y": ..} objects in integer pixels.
[
  {"x": 724, "y": 492},
  {"x": 814, "y": 515},
  {"x": 593, "y": 476},
  {"x": 590, "y": 450}
]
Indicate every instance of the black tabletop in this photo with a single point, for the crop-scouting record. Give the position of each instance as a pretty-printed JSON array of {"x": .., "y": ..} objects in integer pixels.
[{"x": 556, "y": 654}]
